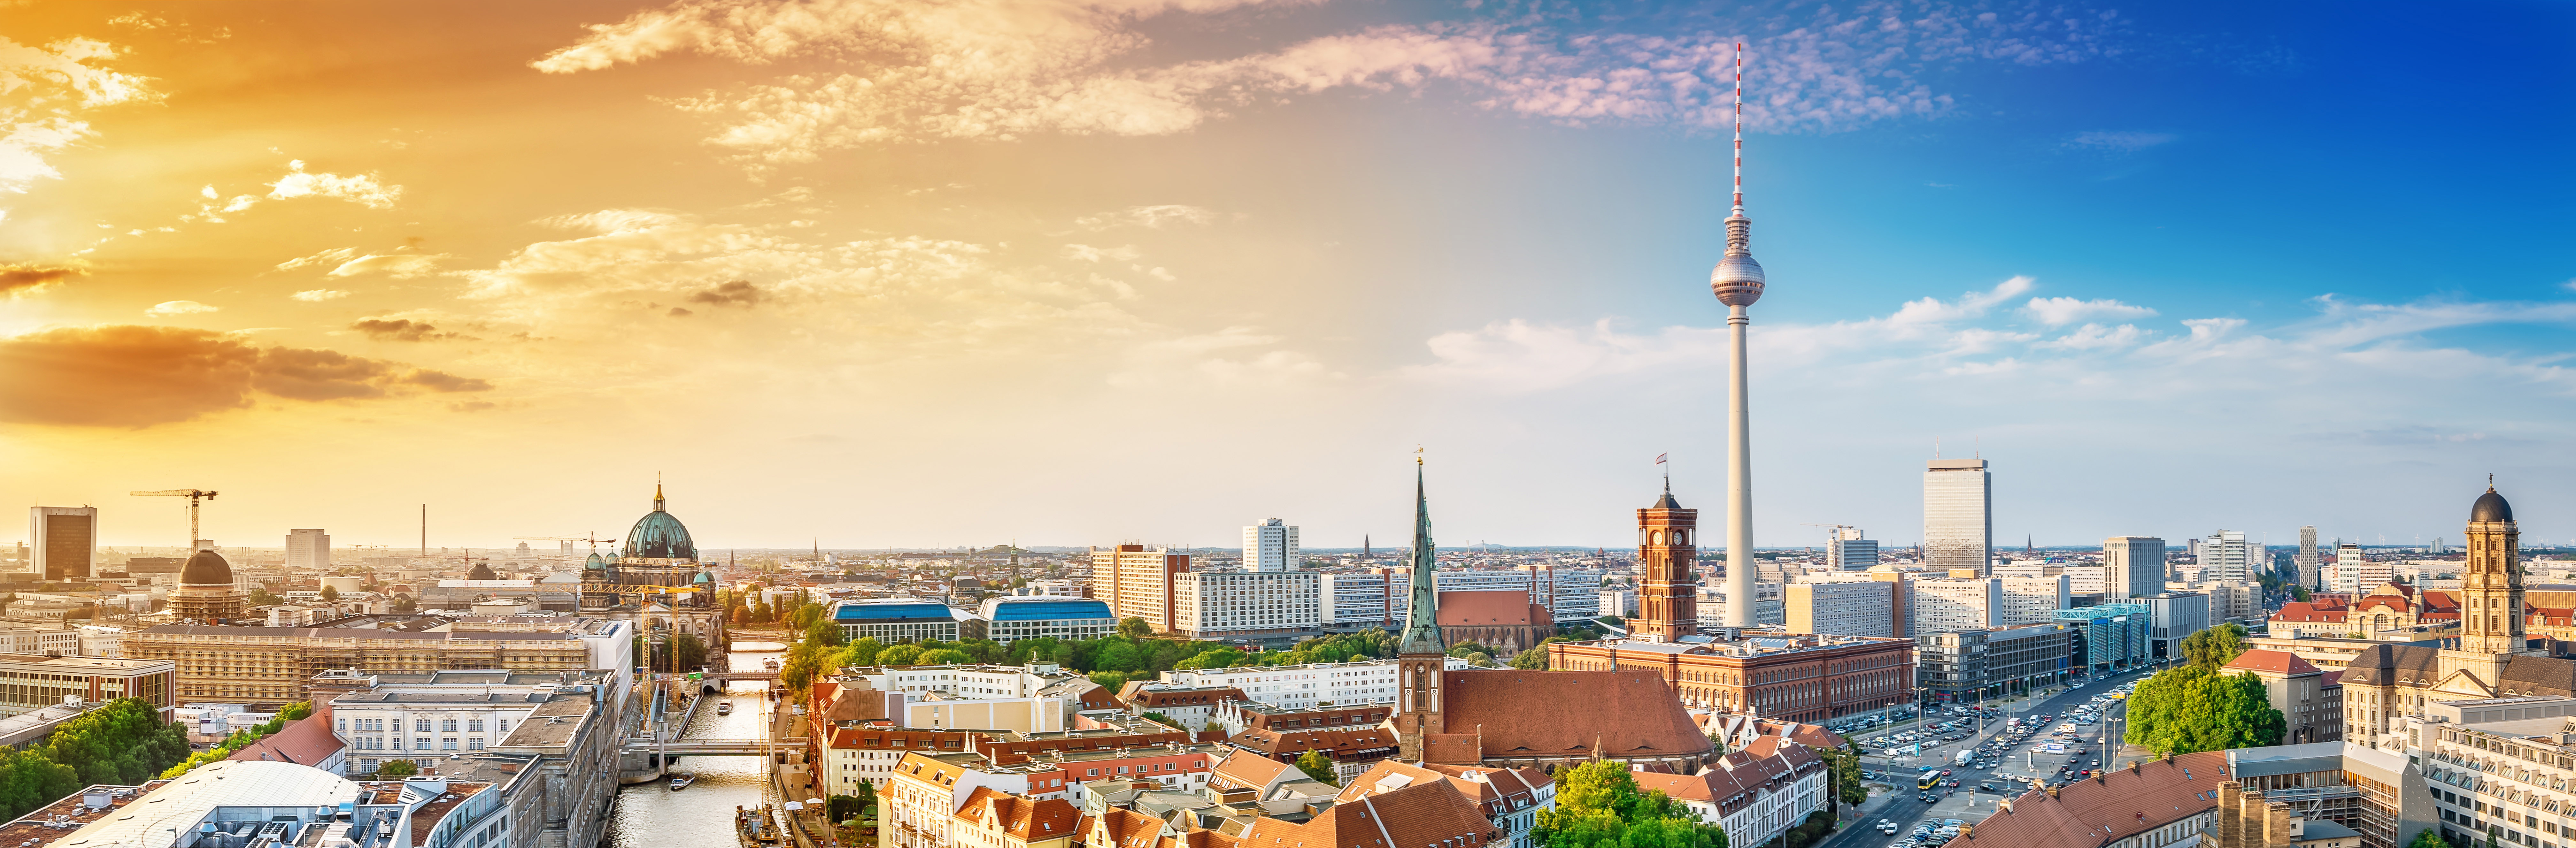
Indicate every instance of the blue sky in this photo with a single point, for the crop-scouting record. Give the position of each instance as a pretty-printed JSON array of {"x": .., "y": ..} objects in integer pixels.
[{"x": 1150, "y": 271}]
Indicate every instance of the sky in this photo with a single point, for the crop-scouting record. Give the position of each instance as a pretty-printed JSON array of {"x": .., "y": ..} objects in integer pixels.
[{"x": 863, "y": 273}]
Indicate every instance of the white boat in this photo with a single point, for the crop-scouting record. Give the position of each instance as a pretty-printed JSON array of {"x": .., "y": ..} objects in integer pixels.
[
  {"x": 682, "y": 780},
  {"x": 724, "y": 708}
]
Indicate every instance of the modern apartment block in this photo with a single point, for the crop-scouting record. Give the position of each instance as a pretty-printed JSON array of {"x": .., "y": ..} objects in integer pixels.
[
  {"x": 2132, "y": 567},
  {"x": 1951, "y": 605},
  {"x": 1849, "y": 550},
  {"x": 1222, "y": 605},
  {"x": 2175, "y": 615},
  {"x": 2225, "y": 557},
  {"x": 63, "y": 540},
  {"x": 1271, "y": 546},
  {"x": 2031, "y": 600},
  {"x": 1844, "y": 607},
  {"x": 1137, "y": 582},
  {"x": 308, "y": 549},
  {"x": 1353, "y": 601},
  {"x": 1958, "y": 514}
]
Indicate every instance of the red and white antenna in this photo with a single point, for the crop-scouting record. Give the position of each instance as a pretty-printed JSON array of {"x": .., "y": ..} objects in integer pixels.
[{"x": 1739, "y": 128}]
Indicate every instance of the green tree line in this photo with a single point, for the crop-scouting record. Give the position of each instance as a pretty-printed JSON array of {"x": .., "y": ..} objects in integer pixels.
[
  {"x": 123, "y": 743},
  {"x": 2196, "y": 707},
  {"x": 1598, "y": 806}
]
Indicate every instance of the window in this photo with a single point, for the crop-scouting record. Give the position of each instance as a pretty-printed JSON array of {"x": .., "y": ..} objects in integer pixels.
[
  {"x": 420, "y": 726},
  {"x": 447, "y": 725},
  {"x": 474, "y": 725}
]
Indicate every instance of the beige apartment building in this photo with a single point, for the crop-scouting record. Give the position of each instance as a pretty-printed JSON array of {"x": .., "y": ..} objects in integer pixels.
[{"x": 1137, "y": 582}]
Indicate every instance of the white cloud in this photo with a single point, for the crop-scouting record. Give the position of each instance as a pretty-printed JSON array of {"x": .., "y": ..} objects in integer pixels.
[
  {"x": 400, "y": 266},
  {"x": 44, "y": 91},
  {"x": 361, "y": 189},
  {"x": 2118, "y": 141},
  {"x": 2098, "y": 337},
  {"x": 332, "y": 257},
  {"x": 178, "y": 307},
  {"x": 1070, "y": 67},
  {"x": 318, "y": 295},
  {"x": 1087, "y": 253},
  {"x": 1150, "y": 217},
  {"x": 2060, "y": 311}
]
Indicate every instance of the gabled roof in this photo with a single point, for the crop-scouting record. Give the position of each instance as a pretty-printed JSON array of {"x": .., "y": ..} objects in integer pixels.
[
  {"x": 1022, "y": 818},
  {"x": 1495, "y": 790},
  {"x": 305, "y": 742},
  {"x": 1248, "y": 770},
  {"x": 1433, "y": 814},
  {"x": 1566, "y": 713},
  {"x": 2275, "y": 662},
  {"x": 1490, "y": 608}
]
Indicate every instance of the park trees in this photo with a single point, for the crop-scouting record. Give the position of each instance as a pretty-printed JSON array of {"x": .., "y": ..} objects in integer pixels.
[
  {"x": 1598, "y": 806},
  {"x": 2193, "y": 708}
]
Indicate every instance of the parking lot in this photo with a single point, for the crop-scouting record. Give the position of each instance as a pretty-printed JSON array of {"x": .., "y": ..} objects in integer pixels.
[{"x": 2050, "y": 741}]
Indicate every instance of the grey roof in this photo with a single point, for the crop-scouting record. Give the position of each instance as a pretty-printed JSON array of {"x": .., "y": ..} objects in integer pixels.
[
  {"x": 2285, "y": 759},
  {"x": 2490, "y": 507},
  {"x": 2392, "y": 664},
  {"x": 2325, "y": 829},
  {"x": 358, "y": 633},
  {"x": 357, "y": 698},
  {"x": 552, "y": 724},
  {"x": 2526, "y": 674}
]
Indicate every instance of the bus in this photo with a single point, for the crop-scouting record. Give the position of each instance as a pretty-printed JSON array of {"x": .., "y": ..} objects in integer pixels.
[{"x": 1928, "y": 780}]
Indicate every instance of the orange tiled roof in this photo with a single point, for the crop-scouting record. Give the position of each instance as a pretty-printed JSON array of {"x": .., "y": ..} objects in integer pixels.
[{"x": 2101, "y": 810}]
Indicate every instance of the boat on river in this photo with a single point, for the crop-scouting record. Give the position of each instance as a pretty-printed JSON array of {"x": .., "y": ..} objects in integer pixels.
[
  {"x": 682, "y": 780},
  {"x": 724, "y": 708},
  {"x": 755, "y": 827}
]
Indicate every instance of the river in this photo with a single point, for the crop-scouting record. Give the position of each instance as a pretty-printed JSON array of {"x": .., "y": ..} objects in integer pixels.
[{"x": 650, "y": 815}]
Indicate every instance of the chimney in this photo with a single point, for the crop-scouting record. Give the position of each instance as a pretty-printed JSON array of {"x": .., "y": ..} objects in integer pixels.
[
  {"x": 2229, "y": 829},
  {"x": 2278, "y": 825}
]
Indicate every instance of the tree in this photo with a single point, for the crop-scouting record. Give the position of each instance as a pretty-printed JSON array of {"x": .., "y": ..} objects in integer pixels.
[
  {"x": 259, "y": 597},
  {"x": 1135, "y": 628},
  {"x": 2213, "y": 647},
  {"x": 688, "y": 651},
  {"x": 1317, "y": 766},
  {"x": 862, "y": 652},
  {"x": 946, "y": 656},
  {"x": 330, "y": 594},
  {"x": 404, "y": 603},
  {"x": 1534, "y": 659},
  {"x": 1598, "y": 806},
  {"x": 1110, "y": 680},
  {"x": 1842, "y": 769},
  {"x": 2191, "y": 708},
  {"x": 1159, "y": 717},
  {"x": 900, "y": 655},
  {"x": 825, "y": 632},
  {"x": 396, "y": 769},
  {"x": 2431, "y": 837},
  {"x": 2300, "y": 593}
]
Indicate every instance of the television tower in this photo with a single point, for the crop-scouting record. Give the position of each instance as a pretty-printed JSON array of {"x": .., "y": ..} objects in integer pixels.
[{"x": 1737, "y": 282}]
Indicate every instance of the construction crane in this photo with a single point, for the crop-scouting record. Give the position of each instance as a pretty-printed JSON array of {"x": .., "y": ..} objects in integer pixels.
[
  {"x": 585, "y": 537},
  {"x": 193, "y": 496}
]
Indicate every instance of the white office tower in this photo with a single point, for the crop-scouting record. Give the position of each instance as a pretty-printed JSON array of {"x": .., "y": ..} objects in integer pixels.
[
  {"x": 2031, "y": 600},
  {"x": 2132, "y": 567},
  {"x": 312, "y": 549},
  {"x": 2225, "y": 558},
  {"x": 1958, "y": 515},
  {"x": 1847, "y": 551},
  {"x": 1953, "y": 605},
  {"x": 2307, "y": 559},
  {"x": 1271, "y": 546}
]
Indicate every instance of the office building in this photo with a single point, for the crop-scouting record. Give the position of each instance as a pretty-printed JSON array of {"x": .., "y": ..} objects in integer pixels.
[
  {"x": 1972, "y": 664},
  {"x": 1271, "y": 546},
  {"x": 32, "y": 682},
  {"x": 1667, "y": 577},
  {"x": 63, "y": 540},
  {"x": 1958, "y": 515},
  {"x": 2115, "y": 635},
  {"x": 2031, "y": 600},
  {"x": 1618, "y": 602},
  {"x": 2310, "y": 701},
  {"x": 1848, "y": 550},
  {"x": 2225, "y": 557},
  {"x": 1843, "y": 607},
  {"x": 1300, "y": 687},
  {"x": 277, "y": 665},
  {"x": 439, "y": 714},
  {"x": 1137, "y": 582},
  {"x": 1950, "y": 605},
  {"x": 1355, "y": 601},
  {"x": 1377, "y": 599},
  {"x": 2307, "y": 558},
  {"x": 1012, "y": 618},
  {"x": 2497, "y": 768},
  {"x": 1808, "y": 678},
  {"x": 310, "y": 549},
  {"x": 2174, "y": 616},
  {"x": 2133, "y": 567},
  {"x": 1255, "y": 605}
]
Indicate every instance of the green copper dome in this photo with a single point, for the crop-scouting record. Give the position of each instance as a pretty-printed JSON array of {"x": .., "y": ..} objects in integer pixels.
[
  {"x": 658, "y": 535},
  {"x": 594, "y": 563}
]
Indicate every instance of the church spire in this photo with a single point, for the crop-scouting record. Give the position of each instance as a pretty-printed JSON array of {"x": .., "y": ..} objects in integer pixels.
[
  {"x": 657, "y": 492},
  {"x": 1422, "y": 620}
]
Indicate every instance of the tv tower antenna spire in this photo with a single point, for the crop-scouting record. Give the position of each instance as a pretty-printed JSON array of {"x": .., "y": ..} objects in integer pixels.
[{"x": 1739, "y": 128}]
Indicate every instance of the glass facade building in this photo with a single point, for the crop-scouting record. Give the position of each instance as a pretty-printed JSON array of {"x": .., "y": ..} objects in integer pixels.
[{"x": 1958, "y": 514}]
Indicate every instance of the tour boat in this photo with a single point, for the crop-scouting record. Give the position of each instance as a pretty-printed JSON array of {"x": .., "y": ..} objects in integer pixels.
[
  {"x": 682, "y": 780},
  {"x": 724, "y": 708}
]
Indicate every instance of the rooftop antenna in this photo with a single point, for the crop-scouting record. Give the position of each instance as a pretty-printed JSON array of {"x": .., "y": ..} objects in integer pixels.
[{"x": 1739, "y": 128}]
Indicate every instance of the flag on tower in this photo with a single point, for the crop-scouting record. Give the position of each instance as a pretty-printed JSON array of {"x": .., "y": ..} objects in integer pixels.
[{"x": 1659, "y": 458}]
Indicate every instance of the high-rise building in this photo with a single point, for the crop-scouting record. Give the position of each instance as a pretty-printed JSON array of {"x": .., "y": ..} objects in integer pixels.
[
  {"x": 2132, "y": 567},
  {"x": 1137, "y": 582},
  {"x": 1270, "y": 604},
  {"x": 1848, "y": 550},
  {"x": 1271, "y": 546},
  {"x": 311, "y": 549},
  {"x": 2307, "y": 559},
  {"x": 2031, "y": 600},
  {"x": 1668, "y": 587},
  {"x": 2225, "y": 557},
  {"x": 64, "y": 541},
  {"x": 1843, "y": 607},
  {"x": 1958, "y": 515}
]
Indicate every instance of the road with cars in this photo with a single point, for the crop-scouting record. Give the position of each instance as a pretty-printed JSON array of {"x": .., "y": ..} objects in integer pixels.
[{"x": 1905, "y": 807}]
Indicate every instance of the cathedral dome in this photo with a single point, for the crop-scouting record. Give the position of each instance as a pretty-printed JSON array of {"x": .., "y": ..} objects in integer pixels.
[
  {"x": 594, "y": 563},
  {"x": 205, "y": 569},
  {"x": 482, "y": 571},
  {"x": 659, "y": 535},
  {"x": 2491, "y": 507}
]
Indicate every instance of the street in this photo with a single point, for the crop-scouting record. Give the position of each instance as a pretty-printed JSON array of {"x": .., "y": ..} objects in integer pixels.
[{"x": 1967, "y": 803}]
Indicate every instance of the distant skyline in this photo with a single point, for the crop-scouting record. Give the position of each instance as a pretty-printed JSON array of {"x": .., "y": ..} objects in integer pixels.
[{"x": 1151, "y": 270}]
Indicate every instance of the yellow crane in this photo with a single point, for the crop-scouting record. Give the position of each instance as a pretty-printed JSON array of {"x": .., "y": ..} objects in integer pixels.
[{"x": 193, "y": 496}]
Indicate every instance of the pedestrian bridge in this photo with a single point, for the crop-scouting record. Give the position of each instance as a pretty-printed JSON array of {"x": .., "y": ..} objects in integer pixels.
[{"x": 701, "y": 747}]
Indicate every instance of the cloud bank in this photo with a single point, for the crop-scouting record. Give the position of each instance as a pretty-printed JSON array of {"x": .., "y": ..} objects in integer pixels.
[{"x": 137, "y": 376}]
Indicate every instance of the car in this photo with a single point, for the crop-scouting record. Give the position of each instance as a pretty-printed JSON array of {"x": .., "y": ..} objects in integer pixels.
[
  {"x": 1945, "y": 772},
  {"x": 1954, "y": 784}
]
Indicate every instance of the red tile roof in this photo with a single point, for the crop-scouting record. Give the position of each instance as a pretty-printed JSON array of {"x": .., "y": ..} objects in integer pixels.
[
  {"x": 2276, "y": 662},
  {"x": 1506, "y": 607},
  {"x": 1520, "y": 714},
  {"x": 1497, "y": 791},
  {"x": 307, "y": 742},
  {"x": 2105, "y": 809},
  {"x": 1432, "y": 814},
  {"x": 1022, "y": 818}
]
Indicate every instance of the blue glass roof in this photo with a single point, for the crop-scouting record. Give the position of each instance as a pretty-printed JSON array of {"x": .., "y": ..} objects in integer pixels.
[
  {"x": 1045, "y": 609},
  {"x": 893, "y": 611}
]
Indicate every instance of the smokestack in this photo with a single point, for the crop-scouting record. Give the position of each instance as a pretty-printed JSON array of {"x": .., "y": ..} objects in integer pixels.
[{"x": 2230, "y": 829}]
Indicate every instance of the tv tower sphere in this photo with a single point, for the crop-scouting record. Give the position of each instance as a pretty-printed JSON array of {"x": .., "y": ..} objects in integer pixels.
[{"x": 1738, "y": 279}]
